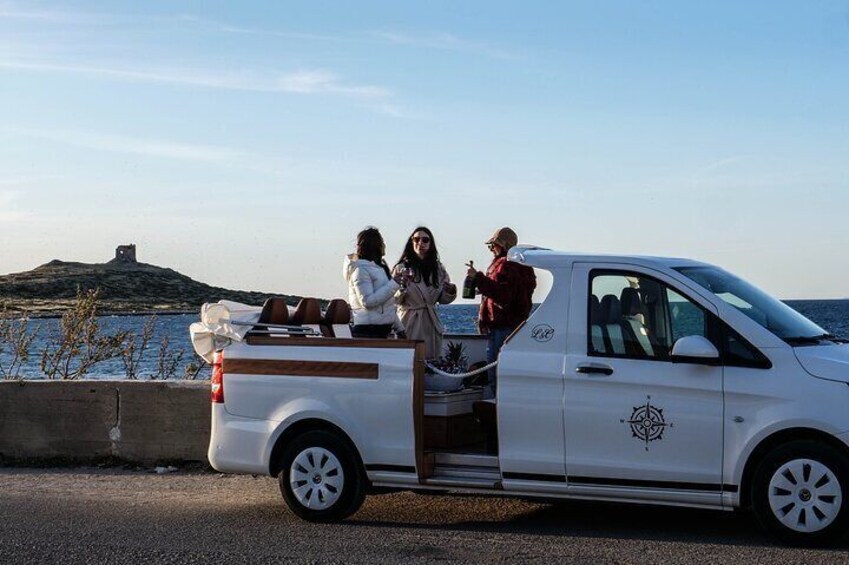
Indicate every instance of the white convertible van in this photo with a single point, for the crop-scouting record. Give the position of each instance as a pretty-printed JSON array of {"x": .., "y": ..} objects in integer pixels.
[{"x": 638, "y": 379}]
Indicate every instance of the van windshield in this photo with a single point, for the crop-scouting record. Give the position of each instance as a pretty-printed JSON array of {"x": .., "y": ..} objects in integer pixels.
[{"x": 767, "y": 311}]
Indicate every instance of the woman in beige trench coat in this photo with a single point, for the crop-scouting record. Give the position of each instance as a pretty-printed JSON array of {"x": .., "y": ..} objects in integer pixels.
[{"x": 427, "y": 285}]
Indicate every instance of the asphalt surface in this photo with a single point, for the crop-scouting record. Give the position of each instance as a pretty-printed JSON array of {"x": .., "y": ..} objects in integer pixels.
[{"x": 87, "y": 515}]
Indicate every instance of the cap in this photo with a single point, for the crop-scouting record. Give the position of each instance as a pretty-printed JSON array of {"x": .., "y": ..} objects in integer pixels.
[{"x": 505, "y": 237}]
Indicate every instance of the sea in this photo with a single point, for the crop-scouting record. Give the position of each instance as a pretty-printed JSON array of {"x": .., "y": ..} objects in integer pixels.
[{"x": 831, "y": 315}]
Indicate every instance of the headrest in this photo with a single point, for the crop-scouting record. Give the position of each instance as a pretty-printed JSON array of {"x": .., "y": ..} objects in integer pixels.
[
  {"x": 651, "y": 292},
  {"x": 611, "y": 311},
  {"x": 631, "y": 303},
  {"x": 308, "y": 311},
  {"x": 595, "y": 311},
  {"x": 338, "y": 312},
  {"x": 275, "y": 311}
]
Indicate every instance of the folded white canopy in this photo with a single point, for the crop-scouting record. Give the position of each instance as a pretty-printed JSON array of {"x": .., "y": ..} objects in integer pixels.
[{"x": 215, "y": 329}]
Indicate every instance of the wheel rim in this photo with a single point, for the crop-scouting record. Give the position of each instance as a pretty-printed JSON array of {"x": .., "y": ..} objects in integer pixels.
[
  {"x": 316, "y": 478},
  {"x": 805, "y": 495}
]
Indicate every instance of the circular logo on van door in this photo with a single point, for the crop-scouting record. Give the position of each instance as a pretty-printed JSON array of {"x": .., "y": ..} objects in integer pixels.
[
  {"x": 542, "y": 333},
  {"x": 647, "y": 422}
]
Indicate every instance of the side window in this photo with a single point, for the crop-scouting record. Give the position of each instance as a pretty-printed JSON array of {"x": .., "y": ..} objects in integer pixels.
[
  {"x": 685, "y": 317},
  {"x": 740, "y": 353},
  {"x": 632, "y": 315}
]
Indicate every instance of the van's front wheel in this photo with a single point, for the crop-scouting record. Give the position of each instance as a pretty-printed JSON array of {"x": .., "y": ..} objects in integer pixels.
[
  {"x": 801, "y": 493},
  {"x": 321, "y": 479}
]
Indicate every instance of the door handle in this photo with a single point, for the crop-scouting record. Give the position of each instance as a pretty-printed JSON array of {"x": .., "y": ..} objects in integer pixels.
[{"x": 594, "y": 369}]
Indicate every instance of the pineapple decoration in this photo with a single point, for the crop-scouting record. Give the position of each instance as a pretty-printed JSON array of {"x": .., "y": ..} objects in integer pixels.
[{"x": 455, "y": 359}]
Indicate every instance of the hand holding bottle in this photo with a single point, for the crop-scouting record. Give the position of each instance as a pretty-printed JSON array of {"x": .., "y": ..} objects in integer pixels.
[{"x": 469, "y": 283}]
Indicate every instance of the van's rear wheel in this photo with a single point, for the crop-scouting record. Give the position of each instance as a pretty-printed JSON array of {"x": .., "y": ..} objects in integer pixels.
[
  {"x": 801, "y": 493},
  {"x": 321, "y": 479}
]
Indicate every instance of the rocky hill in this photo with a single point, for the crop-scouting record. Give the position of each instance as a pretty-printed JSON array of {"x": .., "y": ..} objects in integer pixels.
[{"x": 124, "y": 287}]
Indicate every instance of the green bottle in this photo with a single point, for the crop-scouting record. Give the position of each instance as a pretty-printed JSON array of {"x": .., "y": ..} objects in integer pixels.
[{"x": 469, "y": 284}]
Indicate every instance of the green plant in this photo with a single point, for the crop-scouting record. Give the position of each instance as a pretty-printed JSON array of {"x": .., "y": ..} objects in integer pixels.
[
  {"x": 79, "y": 344},
  {"x": 455, "y": 359}
]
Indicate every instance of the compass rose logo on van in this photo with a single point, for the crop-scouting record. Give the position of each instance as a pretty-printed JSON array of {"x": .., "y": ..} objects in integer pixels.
[{"x": 647, "y": 422}]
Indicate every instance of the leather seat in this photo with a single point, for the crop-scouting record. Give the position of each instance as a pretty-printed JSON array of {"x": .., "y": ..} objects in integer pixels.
[
  {"x": 307, "y": 312},
  {"x": 634, "y": 316},
  {"x": 596, "y": 322},
  {"x": 337, "y": 319},
  {"x": 611, "y": 313},
  {"x": 274, "y": 311}
]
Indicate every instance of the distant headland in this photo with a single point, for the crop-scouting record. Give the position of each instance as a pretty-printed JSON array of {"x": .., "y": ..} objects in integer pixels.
[{"x": 126, "y": 287}]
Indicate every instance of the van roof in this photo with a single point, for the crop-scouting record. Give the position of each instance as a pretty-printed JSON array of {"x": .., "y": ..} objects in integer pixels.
[{"x": 551, "y": 259}]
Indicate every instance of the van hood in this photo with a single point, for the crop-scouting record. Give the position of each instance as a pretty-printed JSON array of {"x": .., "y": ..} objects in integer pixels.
[{"x": 829, "y": 361}]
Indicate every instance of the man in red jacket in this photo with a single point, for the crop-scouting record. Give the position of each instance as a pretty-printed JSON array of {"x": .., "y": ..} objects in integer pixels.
[{"x": 506, "y": 288}]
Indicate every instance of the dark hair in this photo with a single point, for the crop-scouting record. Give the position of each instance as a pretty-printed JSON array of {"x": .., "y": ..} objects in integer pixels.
[
  {"x": 370, "y": 247},
  {"x": 426, "y": 269}
]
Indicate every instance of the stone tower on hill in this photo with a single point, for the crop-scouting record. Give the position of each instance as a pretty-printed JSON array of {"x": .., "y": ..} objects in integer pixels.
[{"x": 125, "y": 253}]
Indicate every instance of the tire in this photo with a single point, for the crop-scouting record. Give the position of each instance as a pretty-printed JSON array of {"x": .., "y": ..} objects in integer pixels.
[
  {"x": 800, "y": 492},
  {"x": 321, "y": 478}
]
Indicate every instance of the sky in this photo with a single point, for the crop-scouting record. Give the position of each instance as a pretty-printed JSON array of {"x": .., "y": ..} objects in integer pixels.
[{"x": 245, "y": 144}]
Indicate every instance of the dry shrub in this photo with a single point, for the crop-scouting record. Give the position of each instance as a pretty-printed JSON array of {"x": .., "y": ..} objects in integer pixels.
[{"x": 79, "y": 343}]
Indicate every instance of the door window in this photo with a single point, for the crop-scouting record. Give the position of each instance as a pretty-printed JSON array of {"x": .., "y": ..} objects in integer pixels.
[
  {"x": 685, "y": 317},
  {"x": 632, "y": 315}
]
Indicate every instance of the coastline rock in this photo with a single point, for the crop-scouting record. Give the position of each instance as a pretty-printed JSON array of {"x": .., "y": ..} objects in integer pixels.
[{"x": 125, "y": 287}]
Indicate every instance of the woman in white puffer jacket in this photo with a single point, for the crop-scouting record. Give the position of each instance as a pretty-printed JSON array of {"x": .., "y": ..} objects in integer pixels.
[{"x": 371, "y": 289}]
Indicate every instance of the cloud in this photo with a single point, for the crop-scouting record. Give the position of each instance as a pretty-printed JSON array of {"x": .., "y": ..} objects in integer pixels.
[
  {"x": 715, "y": 167},
  {"x": 443, "y": 41},
  {"x": 147, "y": 147},
  {"x": 317, "y": 81},
  {"x": 26, "y": 13},
  {"x": 314, "y": 81},
  {"x": 438, "y": 40},
  {"x": 10, "y": 12},
  {"x": 216, "y": 26},
  {"x": 395, "y": 111},
  {"x": 29, "y": 179},
  {"x": 58, "y": 57}
]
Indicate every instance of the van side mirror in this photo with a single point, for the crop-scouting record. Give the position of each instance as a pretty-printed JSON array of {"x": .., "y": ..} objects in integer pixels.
[{"x": 694, "y": 349}]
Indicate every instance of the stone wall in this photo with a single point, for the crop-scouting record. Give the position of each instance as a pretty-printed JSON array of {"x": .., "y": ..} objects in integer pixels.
[
  {"x": 126, "y": 253},
  {"x": 86, "y": 420}
]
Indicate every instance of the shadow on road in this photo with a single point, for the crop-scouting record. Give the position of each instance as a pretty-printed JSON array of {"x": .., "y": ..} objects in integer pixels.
[{"x": 591, "y": 520}]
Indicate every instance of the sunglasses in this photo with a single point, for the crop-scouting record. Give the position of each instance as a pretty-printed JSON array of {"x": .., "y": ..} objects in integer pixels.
[{"x": 423, "y": 239}]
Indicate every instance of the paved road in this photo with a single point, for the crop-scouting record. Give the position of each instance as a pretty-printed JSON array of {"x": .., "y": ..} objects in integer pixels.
[{"x": 119, "y": 516}]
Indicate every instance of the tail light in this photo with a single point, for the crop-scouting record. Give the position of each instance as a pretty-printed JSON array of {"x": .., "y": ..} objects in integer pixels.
[{"x": 218, "y": 378}]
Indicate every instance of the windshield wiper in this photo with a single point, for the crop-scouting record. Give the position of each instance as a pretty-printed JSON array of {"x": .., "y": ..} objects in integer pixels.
[
  {"x": 832, "y": 337},
  {"x": 813, "y": 339}
]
